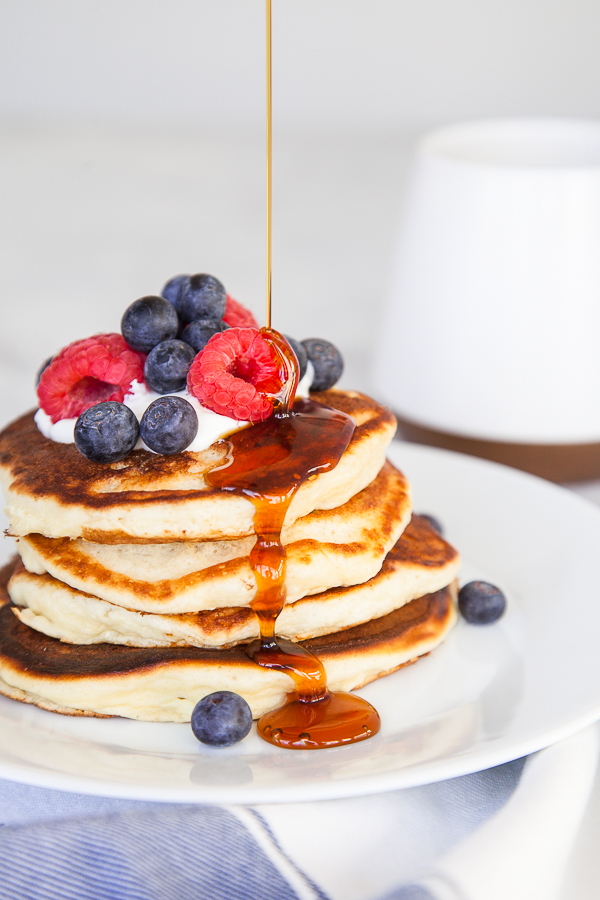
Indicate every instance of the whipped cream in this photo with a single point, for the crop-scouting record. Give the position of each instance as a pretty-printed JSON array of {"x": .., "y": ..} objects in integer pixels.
[{"x": 211, "y": 426}]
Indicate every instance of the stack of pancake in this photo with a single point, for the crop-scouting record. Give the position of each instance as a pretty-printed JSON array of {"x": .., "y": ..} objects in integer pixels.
[{"x": 133, "y": 589}]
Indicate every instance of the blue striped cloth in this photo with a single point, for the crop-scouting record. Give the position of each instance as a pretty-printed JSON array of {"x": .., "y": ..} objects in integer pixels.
[
  {"x": 73, "y": 847},
  {"x": 404, "y": 845},
  {"x": 170, "y": 853}
]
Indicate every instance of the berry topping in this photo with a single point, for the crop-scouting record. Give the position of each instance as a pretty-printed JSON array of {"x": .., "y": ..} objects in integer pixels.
[
  {"x": 169, "y": 425},
  {"x": 106, "y": 432},
  {"x": 435, "y": 523},
  {"x": 327, "y": 362},
  {"x": 300, "y": 355},
  {"x": 167, "y": 366},
  {"x": 148, "y": 321},
  {"x": 173, "y": 290},
  {"x": 234, "y": 375},
  {"x": 88, "y": 372},
  {"x": 237, "y": 315},
  {"x": 481, "y": 603},
  {"x": 203, "y": 297},
  {"x": 197, "y": 334},
  {"x": 221, "y": 719}
]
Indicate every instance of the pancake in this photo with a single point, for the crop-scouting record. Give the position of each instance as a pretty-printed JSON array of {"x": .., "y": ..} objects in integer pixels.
[
  {"x": 53, "y": 490},
  {"x": 164, "y": 684},
  {"x": 325, "y": 549},
  {"x": 421, "y": 562}
]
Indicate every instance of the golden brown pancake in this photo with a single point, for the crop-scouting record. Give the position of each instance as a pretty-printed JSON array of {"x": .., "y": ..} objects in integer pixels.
[
  {"x": 421, "y": 562},
  {"x": 51, "y": 489},
  {"x": 164, "y": 684},
  {"x": 325, "y": 549}
]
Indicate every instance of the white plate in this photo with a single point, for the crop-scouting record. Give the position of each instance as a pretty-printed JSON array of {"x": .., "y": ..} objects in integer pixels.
[{"x": 486, "y": 696}]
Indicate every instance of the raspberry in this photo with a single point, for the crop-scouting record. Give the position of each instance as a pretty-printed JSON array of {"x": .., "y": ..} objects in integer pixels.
[
  {"x": 237, "y": 316},
  {"x": 234, "y": 375},
  {"x": 87, "y": 372}
]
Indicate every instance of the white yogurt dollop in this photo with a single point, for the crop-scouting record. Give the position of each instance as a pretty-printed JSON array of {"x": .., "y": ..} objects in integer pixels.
[{"x": 211, "y": 426}]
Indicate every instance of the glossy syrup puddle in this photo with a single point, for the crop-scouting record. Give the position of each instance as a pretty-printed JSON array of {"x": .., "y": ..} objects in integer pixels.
[{"x": 267, "y": 463}]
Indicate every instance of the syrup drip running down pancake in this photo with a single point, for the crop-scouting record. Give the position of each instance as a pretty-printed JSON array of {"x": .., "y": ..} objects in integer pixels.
[{"x": 327, "y": 548}]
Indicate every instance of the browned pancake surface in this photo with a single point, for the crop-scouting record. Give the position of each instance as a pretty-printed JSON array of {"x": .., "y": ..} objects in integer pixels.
[
  {"x": 43, "y": 468},
  {"x": 31, "y": 652},
  {"x": 5, "y": 574},
  {"x": 430, "y": 611},
  {"x": 387, "y": 496},
  {"x": 420, "y": 545}
]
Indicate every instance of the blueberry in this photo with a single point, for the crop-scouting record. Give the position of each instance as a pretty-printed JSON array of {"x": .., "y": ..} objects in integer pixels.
[
  {"x": 169, "y": 425},
  {"x": 481, "y": 603},
  {"x": 167, "y": 366},
  {"x": 173, "y": 290},
  {"x": 106, "y": 432},
  {"x": 300, "y": 355},
  {"x": 327, "y": 362},
  {"x": 221, "y": 719},
  {"x": 43, "y": 368},
  {"x": 147, "y": 322},
  {"x": 203, "y": 297},
  {"x": 435, "y": 523},
  {"x": 199, "y": 332}
]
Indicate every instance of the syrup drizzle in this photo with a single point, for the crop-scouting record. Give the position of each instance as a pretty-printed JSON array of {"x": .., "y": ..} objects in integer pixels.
[
  {"x": 269, "y": 155},
  {"x": 268, "y": 462}
]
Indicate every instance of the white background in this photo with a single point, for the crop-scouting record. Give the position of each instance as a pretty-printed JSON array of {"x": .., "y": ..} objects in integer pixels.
[
  {"x": 385, "y": 63},
  {"x": 131, "y": 148}
]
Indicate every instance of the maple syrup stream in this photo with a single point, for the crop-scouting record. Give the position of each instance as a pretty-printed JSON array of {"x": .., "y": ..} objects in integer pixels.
[{"x": 267, "y": 463}]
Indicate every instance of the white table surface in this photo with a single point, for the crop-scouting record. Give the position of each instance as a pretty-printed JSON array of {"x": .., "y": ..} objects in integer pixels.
[{"x": 93, "y": 218}]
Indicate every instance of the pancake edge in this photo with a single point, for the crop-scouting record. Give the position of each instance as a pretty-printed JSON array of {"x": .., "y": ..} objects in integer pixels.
[
  {"x": 160, "y": 516},
  {"x": 168, "y": 692},
  {"x": 231, "y": 582},
  {"x": 421, "y": 562}
]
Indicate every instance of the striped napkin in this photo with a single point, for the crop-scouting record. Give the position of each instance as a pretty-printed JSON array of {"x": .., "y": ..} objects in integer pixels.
[{"x": 505, "y": 832}]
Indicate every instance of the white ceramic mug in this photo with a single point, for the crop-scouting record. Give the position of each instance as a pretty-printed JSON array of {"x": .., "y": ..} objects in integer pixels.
[{"x": 492, "y": 325}]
